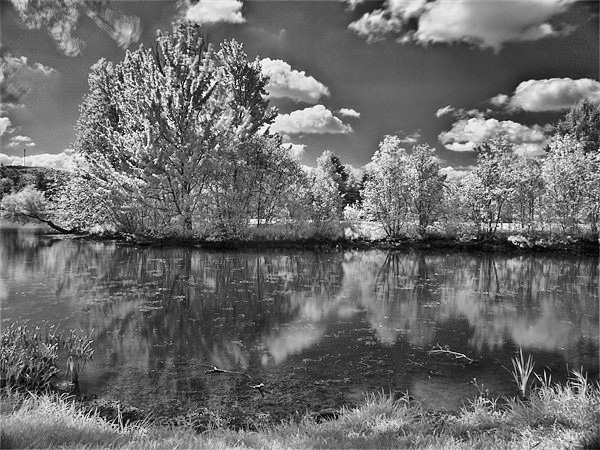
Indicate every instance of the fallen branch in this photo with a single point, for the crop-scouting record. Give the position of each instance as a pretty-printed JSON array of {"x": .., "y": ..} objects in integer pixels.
[{"x": 439, "y": 350}]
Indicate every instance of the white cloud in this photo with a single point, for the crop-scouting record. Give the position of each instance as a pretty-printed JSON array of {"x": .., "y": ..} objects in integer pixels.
[
  {"x": 352, "y": 3},
  {"x": 17, "y": 76},
  {"x": 485, "y": 23},
  {"x": 296, "y": 150},
  {"x": 64, "y": 160},
  {"x": 314, "y": 120},
  {"x": 466, "y": 134},
  {"x": 553, "y": 94},
  {"x": 349, "y": 112},
  {"x": 411, "y": 138},
  {"x": 4, "y": 124},
  {"x": 445, "y": 111},
  {"x": 21, "y": 141},
  {"x": 284, "y": 82},
  {"x": 499, "y": 100},
  {"x": 214, "y": 11}
]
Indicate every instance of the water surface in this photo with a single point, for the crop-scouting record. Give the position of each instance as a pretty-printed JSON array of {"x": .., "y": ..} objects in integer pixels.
[{"x": 318, "y": 328}]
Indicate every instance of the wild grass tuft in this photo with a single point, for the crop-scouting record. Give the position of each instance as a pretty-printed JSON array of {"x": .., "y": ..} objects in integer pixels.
[
  {"x": 29, "y": 357},
  {"x": 522, "y": 370}
]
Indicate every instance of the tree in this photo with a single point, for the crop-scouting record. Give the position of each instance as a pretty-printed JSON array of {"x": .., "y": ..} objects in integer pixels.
[
  {"x": 529, "y": 188},
  {"x": 386, "y": 193},
  {"x": 426, "y": 186},
  {"x": 491, "y": 185},
  {"x": 570, "y": 176},
  {"x": 583, "y": 123},
  {"x": 30, "y": 204},
  {"x": 155, "y": 128},
  {"x": 326, "y": 202}
]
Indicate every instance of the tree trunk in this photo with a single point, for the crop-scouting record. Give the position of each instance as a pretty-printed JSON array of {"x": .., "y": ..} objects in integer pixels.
[{"x": 56, "y": 227}]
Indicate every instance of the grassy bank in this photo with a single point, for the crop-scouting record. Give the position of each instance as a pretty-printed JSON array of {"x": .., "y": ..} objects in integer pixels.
[{"x": 553, "y": 416}]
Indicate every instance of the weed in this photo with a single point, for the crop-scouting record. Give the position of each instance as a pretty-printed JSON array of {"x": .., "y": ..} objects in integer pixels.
[
  {"x": 29, "y": 357},
  {"x": 522, "y": 370}
]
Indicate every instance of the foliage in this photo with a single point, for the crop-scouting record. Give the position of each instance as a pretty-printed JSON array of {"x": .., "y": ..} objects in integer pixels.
[
  {"x": 385, "y": 195},
  {"x": 583, "y": 123},
  {"x": 29, "y": 358},
  {"x": 325, "y": 199},
  {"x": 29, "y": 204},
  {"x": 571, "y": 188},
  {"x": 426, "y": 186},
  {"x": 174, "y": 141},
  {"x": 491, "y": 186},
  {"x": 526, "y": 202}
]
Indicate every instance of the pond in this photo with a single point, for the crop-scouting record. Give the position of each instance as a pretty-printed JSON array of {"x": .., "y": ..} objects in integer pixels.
[{"x": 319, "y": 329}]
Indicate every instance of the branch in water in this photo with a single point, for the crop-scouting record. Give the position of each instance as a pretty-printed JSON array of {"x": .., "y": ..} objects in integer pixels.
[{"x": 439, "y": 350}]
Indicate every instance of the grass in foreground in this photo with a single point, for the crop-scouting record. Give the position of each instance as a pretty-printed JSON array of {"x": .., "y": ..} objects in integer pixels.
[{"x": 554, "y": 416}]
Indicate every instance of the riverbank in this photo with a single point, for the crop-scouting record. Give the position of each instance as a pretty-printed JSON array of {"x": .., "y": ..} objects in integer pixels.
[
  {"x": 553, "y": 416},
  {"x": 504, "y": 243}
]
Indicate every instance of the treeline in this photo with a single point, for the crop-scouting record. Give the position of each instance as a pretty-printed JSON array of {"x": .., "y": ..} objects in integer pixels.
[{"x": 174, "y": 141}]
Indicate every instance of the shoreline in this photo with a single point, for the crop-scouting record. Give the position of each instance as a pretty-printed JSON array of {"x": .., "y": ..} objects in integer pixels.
[{"x": 499, "y": 244}]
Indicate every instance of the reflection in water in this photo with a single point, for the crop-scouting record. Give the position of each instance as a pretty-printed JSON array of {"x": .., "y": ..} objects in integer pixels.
[{"x": 307, "y": 323}]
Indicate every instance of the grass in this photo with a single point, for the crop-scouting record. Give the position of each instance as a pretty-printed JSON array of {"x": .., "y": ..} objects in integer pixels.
[
  {"x": 554, "y": 416},
  {"x": 30, "y": 357},
  {"x": 522, "y": 370}
]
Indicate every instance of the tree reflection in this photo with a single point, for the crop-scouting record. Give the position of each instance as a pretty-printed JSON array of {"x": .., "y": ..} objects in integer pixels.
[{"x": 159, "y": 313}]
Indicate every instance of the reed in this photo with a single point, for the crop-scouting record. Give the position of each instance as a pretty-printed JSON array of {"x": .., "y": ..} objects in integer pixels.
[
  {"x": 30, "y": 357},
  {"x": 522, "y": 370}
]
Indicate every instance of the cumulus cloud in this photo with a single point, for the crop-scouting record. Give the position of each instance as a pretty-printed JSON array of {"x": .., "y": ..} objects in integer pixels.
[
  {"x": 4, "y": 124},
  {"x": 296, "y": 150},
  {"x": 314, "y": 120},
  {"x": 466, "y": 134},
  {"x": 284, "y": 82},
  {"x": 16, "y": 77},
  {"x": 499, "y": 100},
  {"x": 21, "y": 141},
  {"x": 553, "y": 94},
  {"x": 485, "y": 23},
  {"x": 349, "y": 112},
  {"x": 411, "y": 138},
  {"x": 61, "y": 19},
  {"x": 62, "y": 161},
  {"x": 214, "y": 11}
]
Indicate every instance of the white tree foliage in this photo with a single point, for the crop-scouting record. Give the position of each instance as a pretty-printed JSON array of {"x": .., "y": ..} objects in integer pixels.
[
  {"x": 386, "y": 193},
  {"x": 172, "y": 135}
]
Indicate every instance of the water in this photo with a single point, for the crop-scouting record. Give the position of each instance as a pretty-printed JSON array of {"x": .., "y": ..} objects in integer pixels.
[{"x": 319, "y": 329}]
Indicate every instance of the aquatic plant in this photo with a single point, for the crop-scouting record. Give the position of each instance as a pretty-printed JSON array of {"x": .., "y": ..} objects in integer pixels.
[{"x": 29, "y": 357}]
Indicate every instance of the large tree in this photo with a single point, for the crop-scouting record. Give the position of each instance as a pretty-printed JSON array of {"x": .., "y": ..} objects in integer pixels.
[{"x": 156, "y": 129}]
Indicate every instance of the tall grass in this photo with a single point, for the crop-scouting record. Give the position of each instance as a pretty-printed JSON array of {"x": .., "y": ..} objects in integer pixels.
[
  {"x": 30, "y": 357},
  {"x": 522, "y": 370},
  {"x": 555, "y": 416}
]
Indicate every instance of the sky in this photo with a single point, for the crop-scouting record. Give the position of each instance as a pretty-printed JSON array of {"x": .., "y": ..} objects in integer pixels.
[{"x": 448, "y": 73}]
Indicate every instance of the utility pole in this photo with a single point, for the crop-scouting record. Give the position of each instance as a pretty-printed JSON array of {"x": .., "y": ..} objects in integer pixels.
[{"x": 24, "y": 152}]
